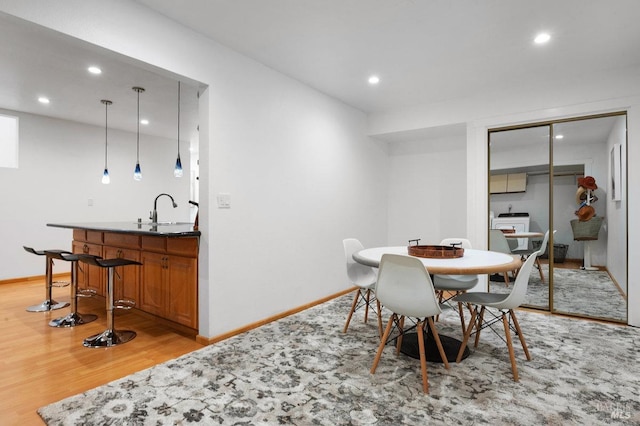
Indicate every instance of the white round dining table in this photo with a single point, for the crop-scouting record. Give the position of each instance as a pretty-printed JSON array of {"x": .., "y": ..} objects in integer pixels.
[{"x": 473, "y": 261}]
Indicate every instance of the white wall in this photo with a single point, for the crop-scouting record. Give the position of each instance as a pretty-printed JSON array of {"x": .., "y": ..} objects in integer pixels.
[
  {"x": 427, "y": 191},
  {"x": 60, "y": 170},
  {"x": 617, "y": 210},
  {"x": 301, "y": 173}
]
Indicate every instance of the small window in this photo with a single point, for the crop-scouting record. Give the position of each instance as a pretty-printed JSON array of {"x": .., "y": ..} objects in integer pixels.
[{"x": 8, "y": 141}]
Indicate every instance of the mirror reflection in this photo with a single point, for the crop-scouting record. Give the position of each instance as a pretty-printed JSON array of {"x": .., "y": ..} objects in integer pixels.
[
  {"x": 591, "y": 223},
  {"x": 573, "y": 208},
  {"x": 519, "y": 203}
]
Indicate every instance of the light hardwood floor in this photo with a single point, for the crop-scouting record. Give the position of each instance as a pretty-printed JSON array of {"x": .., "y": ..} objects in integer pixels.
[{"x": 41, "y": 364}]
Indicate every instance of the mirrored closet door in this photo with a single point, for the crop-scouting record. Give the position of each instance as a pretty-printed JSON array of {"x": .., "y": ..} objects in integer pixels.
[{"x": 568, "y": 178}]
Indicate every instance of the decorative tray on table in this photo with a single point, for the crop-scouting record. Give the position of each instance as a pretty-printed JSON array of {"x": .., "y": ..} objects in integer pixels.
[{"x": 436, "y": 252}]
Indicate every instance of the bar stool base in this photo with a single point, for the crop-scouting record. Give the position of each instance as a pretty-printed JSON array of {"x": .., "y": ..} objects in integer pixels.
[
  {"x": 109, "y": 338},
  {"x": 46, "y": 306},
  {"x": 72, "y": 320}
]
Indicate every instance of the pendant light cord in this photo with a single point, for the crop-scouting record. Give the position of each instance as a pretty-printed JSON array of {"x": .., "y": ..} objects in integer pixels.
[
  {"x": 178, "y": 119},
  {"x": 138, "y": 131},
  {"x": 106, "y": 107}
]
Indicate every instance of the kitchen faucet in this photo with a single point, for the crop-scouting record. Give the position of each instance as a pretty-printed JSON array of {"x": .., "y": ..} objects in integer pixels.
[{"x": 154, "y": 214}]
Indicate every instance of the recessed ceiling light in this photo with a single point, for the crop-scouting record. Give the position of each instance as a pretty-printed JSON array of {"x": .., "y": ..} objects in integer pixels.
[
  {"x": 374, "y": 79},
  {"x": 43, "y": 100},
  {"x": 94, "y": 70},
  {"x": 559, "y": 136},
  {"x": 144, "y": 121},
  {"x": 542, "y": 38}
]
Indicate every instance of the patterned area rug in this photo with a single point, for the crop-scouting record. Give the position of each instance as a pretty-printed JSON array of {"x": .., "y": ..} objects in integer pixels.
[
  {"x": 303, "y": 370},
  {"x": 590, "y": 293}
]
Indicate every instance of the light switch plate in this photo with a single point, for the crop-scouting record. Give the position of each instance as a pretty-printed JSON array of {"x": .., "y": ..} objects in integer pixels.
[{"x": 224, "y": 201}]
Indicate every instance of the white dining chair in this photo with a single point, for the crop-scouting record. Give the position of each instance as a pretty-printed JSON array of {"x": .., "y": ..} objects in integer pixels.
[
  {"x": 449, "y": 286},
  {"x": 364, "y": 278},
  {"x": 543, "y": 248},
  {"x": 505, "y": 305},
  {"x": 498, "y": 242},
  {"x": 405, "y": 288}
]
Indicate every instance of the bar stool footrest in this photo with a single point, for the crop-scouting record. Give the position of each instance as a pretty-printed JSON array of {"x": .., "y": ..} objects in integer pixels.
[
  {"x": 86, "y": 292},
  {"x": 60, "y": 284},
  {"x": 72, "y": 320},
  {"x": 124, "y": 304},
  {"x": 47, "y": 305},
  {"x": 109, "y": 338}
]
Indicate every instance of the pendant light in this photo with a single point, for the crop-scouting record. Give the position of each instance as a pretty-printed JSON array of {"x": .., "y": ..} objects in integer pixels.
[
  {"x": 105, "y": 173},
  {"x": 137, "y": 173},
  {"x": 177, "y": 171}
]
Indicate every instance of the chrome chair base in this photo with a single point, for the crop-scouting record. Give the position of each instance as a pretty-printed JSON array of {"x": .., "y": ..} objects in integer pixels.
[
  {"x": 73, "y": 319},
  {"x": 47, "y": 305},
  {"x": 109, "y": 338}
]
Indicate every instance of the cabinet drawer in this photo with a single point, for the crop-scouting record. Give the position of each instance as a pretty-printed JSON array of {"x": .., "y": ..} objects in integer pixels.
[
  {"x": 94, "y": 237},
  {"x": 183, "y": 246},
  {"x": 122, "y": 240},
  {"x": 80, "y": 235},
  {"x": 157, "y": 244}
]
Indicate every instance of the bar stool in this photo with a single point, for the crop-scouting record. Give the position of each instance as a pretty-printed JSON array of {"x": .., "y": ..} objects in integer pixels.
[
  {"x": 111, "y": 336},
  {"x": 73, "y": 318},
  {"x": 49, "y": 304}
]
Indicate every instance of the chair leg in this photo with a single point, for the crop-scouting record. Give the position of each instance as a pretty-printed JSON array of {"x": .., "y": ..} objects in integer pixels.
[
  {"x": 423, "y": 357},
  {"x": 540, "y": 269},
  {"x": 461, "y": 312},
  {"x": 467, "y": 334},
  {"x": 379, "y": 318},
  {"x": 520, "y": 335},
  {"x": 436, "y": 337},
  {"x": 479, "y": 327},
  {"x": 353, "y": 308},
  {"x": 512, "y": 356},
  {"x": 367, "y": 300},
  {"x": 506, "y": 278},
  {"x": 383, "y": 341},
  {"x": 399, "y": 339},
  {"x": 440, "y": 299}
]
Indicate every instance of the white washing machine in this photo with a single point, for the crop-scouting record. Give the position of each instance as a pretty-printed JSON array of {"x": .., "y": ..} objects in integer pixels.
[{"x": 517, "y": 221}]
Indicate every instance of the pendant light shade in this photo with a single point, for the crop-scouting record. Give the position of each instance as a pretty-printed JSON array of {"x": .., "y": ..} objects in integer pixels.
[
  {"x": 105, "y": 173},
  {"x": 177, "y": 170},
  {"x": 137, "y": 172}
]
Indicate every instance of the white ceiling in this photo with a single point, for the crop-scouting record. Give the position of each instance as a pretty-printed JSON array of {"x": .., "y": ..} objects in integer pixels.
[
  {"x": 37, "y": 61},
  {"x": 425, "y": 52}
]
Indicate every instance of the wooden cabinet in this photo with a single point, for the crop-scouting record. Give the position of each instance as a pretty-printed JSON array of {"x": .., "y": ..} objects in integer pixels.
[
  {"x": 89, "y": 277},
  {"x": 169, "y": 280},
  {"x": 152, "y": 278},
  {"x": 127, "y": 278},
  {"x": 512, "y": 182},
  {"x": 165, "y": 285},
  {"x": 182, "y": 281}
]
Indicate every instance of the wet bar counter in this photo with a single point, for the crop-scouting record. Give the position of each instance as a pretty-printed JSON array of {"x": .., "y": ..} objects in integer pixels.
[{"x": 165, "y": 285}]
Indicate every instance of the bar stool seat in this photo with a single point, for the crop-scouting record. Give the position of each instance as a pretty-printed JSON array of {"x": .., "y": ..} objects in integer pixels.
[
  {"x": 73, "y": 318},
  {"x": 111, "y": 336},
  {"x": 49, "y": 304}
]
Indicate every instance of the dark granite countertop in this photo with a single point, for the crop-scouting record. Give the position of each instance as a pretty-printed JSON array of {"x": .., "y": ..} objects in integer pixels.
[{"x": 164, "y": 229}]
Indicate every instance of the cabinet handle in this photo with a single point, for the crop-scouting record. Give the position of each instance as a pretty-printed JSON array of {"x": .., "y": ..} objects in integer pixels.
[
  {"x": 85, "y": 249},
  {"x": 119, "y": 254}
]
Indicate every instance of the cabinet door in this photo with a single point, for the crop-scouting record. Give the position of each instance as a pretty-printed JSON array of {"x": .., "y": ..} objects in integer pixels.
[
  {"x": 127, "y": 278},
  {"x": 152, "y": 286},
  {"x": 182, "y": 282},
  {"x": 89, "y": 276}
]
